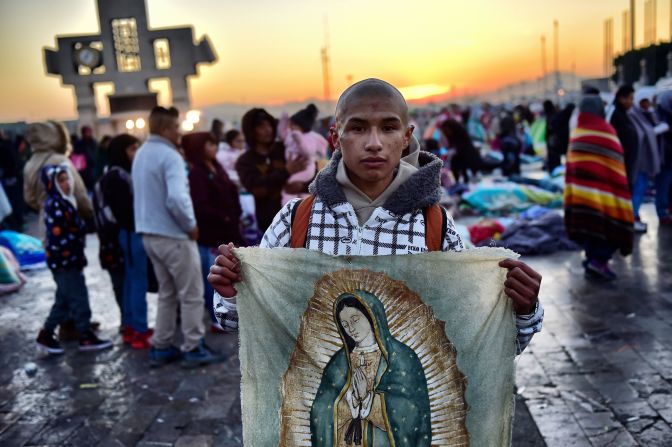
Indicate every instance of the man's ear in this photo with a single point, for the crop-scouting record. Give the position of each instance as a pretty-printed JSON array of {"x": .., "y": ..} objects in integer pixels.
[
  {"x": 333, "y": 134},
  {"x": 408, "y": 135}
]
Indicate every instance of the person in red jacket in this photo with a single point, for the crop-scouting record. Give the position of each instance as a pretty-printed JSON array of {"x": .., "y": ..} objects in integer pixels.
[{"x": 216, "y": 205}]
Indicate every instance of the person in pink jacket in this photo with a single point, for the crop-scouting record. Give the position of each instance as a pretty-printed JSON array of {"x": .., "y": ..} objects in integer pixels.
[{"x": 301, "y": 140}]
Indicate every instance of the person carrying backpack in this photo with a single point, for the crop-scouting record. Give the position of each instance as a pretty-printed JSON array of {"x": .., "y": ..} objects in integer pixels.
[
  {"x": 378, "y": 196},
  {"x": 116, "y": 190}
]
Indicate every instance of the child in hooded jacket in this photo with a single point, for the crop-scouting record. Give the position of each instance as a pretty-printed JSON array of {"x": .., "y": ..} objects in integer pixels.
[
  {"x": 64, "y": 246},
  {"x": 301, "y": 140}
]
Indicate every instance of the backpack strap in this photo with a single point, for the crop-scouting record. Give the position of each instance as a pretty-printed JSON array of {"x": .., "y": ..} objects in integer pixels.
[
  {"x": 436, "y": 223},
  {"x": 299, "y": 223}
]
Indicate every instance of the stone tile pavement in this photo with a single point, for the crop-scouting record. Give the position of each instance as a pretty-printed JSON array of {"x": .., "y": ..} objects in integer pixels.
[{"x": 600, "y": 374}]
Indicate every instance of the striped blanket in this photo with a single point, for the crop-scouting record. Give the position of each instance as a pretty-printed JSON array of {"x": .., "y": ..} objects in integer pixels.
[{"x": 598, "y": 203}]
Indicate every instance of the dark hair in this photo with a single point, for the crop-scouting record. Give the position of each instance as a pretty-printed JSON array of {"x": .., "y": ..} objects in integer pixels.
[
  {"x": 507, "y": 126},
  {"x": 194, "y": 145},
  {"x": 433, "y": 146},
  {"x": 252, "y": 119},
  {"x": 590, "y": 90},
  {"x": 116, "y": 152},
  {"x": 105, "y": 141},
  {"x": 216, "y": 123},
  {"x": 160, "y": 117},
  {"x": 351, "y": 301},
  {"x": 549, "y": 108},
  {"x": 624, "y": 91},
  {"x": 231, "y": 135},
  {"x": 458, "y": 136}
]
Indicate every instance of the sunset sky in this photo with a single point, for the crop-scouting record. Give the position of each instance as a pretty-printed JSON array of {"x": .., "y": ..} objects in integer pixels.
[{"x": 269, "y": 50}]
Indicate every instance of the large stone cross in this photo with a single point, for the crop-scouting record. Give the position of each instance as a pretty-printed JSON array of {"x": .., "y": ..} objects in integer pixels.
[{"x": 128, "y": 54}]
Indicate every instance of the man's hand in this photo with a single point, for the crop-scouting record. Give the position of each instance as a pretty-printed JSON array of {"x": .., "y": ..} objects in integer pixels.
[
  {"x": 296, "y": 165},
  {"x": 522, "y": 285},
  {"x": 193, "y": 234},
  {"x": 225, "y": 272}
]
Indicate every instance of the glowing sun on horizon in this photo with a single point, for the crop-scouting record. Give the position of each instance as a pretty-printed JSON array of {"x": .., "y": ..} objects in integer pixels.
[{"x": 421, "y": 91}]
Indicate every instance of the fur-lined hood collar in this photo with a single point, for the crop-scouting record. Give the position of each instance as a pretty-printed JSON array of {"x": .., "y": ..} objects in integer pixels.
[{"x": 421, "y": 190}]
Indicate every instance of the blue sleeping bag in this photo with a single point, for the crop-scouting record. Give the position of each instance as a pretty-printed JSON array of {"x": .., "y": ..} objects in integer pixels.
[{"x": 26, "y": 249}]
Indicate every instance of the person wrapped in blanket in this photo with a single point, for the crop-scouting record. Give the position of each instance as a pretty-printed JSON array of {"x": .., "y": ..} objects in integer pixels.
[{"x": 598, "y": 204}]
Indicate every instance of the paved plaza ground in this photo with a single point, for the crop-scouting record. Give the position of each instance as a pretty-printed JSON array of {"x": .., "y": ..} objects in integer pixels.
[{"x": 600, "y": 373}]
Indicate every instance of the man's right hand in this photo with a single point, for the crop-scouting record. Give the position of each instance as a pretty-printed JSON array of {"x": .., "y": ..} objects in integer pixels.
[
  {"x": 193, "y": 234},
  {"x": 296, "y": 165},
  {"x": 225, "y": 272}
]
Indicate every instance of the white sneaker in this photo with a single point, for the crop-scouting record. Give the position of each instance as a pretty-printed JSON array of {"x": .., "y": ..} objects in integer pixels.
[{"x": 640, "y": 227}]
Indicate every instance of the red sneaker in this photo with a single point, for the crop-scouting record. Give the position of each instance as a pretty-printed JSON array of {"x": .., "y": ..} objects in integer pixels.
[
  {"x": 141, "y": 340},
  {"x": 217, "y": 328},
  {"x": 127, "y": 335}
]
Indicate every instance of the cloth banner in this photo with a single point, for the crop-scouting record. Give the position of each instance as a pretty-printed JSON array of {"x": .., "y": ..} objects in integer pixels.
[{"x": 413, "y": 350}]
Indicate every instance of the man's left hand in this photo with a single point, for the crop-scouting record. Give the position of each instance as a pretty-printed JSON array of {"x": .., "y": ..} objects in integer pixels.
[{"x": 522, "y": 285}]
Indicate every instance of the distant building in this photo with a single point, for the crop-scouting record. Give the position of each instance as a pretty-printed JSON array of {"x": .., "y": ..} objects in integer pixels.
[
  {"x": 644, "y": 66},
  {"x": 560, "y": 87},
  {"x": 128, "y": 54}
]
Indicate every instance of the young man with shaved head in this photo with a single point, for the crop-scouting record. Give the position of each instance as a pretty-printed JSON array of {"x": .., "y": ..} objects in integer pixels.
[{"x": 370, "y": 200}]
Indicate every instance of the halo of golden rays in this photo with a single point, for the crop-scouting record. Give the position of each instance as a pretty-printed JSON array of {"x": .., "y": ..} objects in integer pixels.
[{"x": 410, "y": 321}]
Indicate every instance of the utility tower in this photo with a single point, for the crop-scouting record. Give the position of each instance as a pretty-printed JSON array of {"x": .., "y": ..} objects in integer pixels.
[
  {"x": 632, "y": 24},
  {"x": 608, "y": 46},
  {"x": 650, "y": 22},
  {"x": 626, "y": 31},
  {"x": 326, "y": 63},
  {"x": 556, "y": 54},
  {"x": 544, "y": 69}
]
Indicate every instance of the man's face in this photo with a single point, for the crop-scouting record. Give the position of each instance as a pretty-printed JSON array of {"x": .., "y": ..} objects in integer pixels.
[
  {"x": 371, "y": 135},
  {"x": 627, "y": 101},
  {"x": 263, "y": 133},
  {"x": 644, "y": 104},
  {"x": 239, "y": 141},
  {"x": 172, "y": 132}
]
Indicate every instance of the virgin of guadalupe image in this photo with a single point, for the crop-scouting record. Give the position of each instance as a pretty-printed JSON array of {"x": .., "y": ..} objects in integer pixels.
[{"x": 373, "y": 391}]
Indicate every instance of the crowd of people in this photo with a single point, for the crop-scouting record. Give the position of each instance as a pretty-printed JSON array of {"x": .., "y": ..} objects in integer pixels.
[
  {"x": 163, "y": 206},
  {"x": 160, "y": 209}
]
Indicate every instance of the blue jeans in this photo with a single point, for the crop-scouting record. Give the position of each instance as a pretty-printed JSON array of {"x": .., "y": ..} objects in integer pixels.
[
  {"x": 663, "y": 187},
  {"x": 208, "y": 256},
  {"x": 117, "y": 277},
  {"x": 135, "y": 281},
  {"x": 72, "y": 301},
  {"x": 639, "y": 188}
]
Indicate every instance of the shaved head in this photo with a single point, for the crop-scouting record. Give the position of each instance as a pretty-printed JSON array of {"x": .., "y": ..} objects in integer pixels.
[{"x": 368, "y": 89}]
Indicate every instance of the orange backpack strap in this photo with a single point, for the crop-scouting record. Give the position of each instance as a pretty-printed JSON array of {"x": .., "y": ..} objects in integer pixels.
[
  {"x": 300, "y": 220},
  {"x": 436, "y": 222}
]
